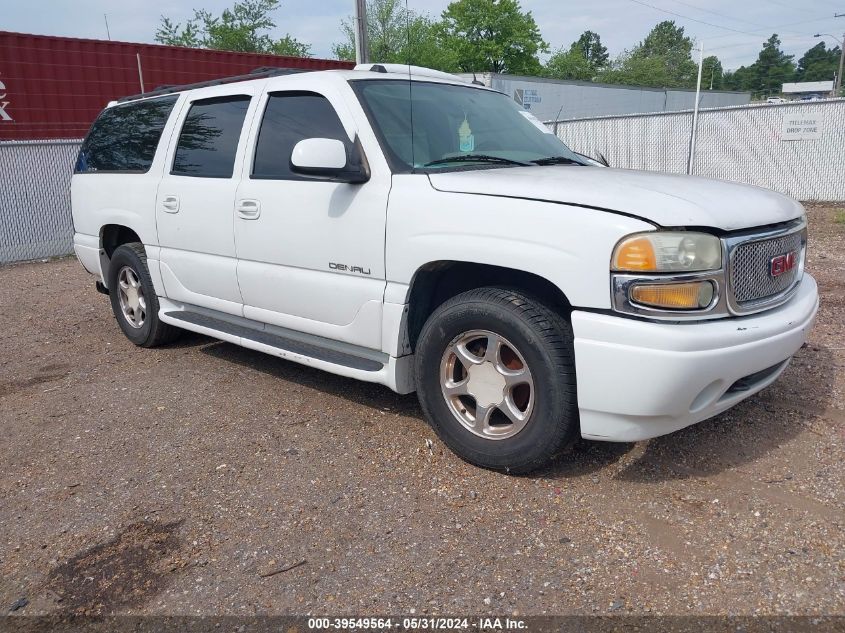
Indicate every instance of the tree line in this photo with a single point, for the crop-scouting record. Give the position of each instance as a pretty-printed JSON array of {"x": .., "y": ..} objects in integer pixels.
[{"x": 499, "y": 36}]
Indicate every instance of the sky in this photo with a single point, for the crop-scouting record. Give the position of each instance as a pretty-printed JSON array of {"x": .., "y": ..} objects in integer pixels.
[{"x": 734, "y": 30}]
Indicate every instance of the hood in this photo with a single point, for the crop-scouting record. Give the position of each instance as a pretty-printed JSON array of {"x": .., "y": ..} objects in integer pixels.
[{"x": 667, "y": 200}]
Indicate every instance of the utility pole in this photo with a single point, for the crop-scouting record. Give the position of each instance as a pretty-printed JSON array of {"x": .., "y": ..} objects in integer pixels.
[
  {"x": 838, "y": 88},
  {"x": 837, "y": 84},
  {"x": 362, "y": 47}
]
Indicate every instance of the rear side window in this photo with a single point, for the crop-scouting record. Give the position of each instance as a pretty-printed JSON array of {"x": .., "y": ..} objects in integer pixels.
[
  {"x": 289, "y": 118},
  {"x": 209, "y": 138},
  {"x": 124, "y": 138}
]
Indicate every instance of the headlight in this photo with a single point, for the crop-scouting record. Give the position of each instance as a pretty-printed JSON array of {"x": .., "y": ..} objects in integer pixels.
[{"x": 661, "y": 252}]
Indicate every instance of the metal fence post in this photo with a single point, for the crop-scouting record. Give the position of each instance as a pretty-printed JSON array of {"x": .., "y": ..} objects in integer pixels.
[{"x": 694, "y": 131}]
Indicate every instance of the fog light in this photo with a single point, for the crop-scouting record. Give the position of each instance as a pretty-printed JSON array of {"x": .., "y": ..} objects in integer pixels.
[{"x": 695, "y": 295}]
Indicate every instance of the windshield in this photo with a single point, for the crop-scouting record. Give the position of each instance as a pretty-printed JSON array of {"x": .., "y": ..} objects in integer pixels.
[{"x": 456, "y": 126}]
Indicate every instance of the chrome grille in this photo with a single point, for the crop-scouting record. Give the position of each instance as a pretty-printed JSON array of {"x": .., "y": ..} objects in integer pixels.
[{"x": 750, "y": 263}]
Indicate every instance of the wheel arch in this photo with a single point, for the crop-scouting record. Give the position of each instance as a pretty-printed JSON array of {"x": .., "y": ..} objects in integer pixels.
[
  {"x": 112, "y": 236},
  {"x": 435, "y": 282}
]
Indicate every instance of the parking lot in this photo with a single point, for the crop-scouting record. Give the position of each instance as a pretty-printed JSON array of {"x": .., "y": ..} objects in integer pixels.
[{"x": 202, "y": 478}]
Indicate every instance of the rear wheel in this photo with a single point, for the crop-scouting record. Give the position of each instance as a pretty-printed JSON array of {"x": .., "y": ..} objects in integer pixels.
[
  {"x": 133, "y": 298},
  {"x": 496, "y": 379}
]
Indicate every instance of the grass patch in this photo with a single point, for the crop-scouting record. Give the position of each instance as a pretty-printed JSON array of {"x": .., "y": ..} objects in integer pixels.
[{"x": 839, "y": 216}]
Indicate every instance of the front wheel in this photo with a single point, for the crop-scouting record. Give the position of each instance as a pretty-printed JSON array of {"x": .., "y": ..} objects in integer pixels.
[{"x": 496, "y": 379}]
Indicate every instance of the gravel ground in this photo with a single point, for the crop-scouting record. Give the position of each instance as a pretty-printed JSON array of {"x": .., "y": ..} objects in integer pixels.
[{"x": 203, "y": 478}]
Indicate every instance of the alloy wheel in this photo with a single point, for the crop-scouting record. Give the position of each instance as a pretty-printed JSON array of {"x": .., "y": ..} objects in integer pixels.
[
  {"x": 487, "y": 384},
  {"x": 133, "y": 304}
]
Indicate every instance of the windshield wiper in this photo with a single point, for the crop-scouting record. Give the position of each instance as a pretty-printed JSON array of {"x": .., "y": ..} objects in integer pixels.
[
  {"x": 557, "y": 160},
  {"x": 476, "y": 158}
]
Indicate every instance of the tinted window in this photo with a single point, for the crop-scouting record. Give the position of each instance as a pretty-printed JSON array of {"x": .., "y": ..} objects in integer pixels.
[
  {"x": 125, "y": 137},
  {"x": 289, "y": 118},
  {"x": 209, "y": 137}
]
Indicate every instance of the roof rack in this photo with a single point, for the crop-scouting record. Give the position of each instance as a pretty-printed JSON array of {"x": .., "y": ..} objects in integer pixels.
[{"x": 258, "y": 73}]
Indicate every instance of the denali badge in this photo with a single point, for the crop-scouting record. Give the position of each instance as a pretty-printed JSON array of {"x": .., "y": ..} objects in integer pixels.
[
  {"x": 352, "y": 269},
  {"x": 782, "y": 263}
]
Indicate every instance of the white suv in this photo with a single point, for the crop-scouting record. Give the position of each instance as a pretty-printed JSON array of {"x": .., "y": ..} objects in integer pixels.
[{"x": 405, "y": 228}]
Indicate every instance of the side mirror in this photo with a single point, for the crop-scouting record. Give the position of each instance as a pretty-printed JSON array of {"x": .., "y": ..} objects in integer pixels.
[{"x": 326, "y": 159}]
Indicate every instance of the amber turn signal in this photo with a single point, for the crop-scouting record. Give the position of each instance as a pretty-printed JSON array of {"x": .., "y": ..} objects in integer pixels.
[
  {"x": 695, "y": 295},
  {"x": 635, "y": 254}
]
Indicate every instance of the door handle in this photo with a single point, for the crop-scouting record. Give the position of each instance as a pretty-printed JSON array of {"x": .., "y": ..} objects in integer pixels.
[
  {"x": 248, "y": 209},
  {"x": 170, "y": 204}
]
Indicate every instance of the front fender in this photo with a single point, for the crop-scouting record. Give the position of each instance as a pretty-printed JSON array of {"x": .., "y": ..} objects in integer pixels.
[{"x": 566, "y": 245}]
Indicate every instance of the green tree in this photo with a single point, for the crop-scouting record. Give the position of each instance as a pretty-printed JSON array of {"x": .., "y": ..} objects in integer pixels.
[
  {"x": 397, "y": 36},
  {"x": 242, "y": 28},
  {"x": 711, "y": 73},
  {"x": 591, "y": 48},
  {"x": 772, "y": 68},
  {"x": 740, "y": 79},
  {"x": 584, "y": 58},
  {"x": 569, "y": 64},
  {"x": 290, "y": 47},
  {"x": 818, "y": 64},
  {"x": 662, "y": 60},
  {"x": 765, "y": 76},
  {"x": 637, "y": 71},
  {"x": 492, "y": 36},
  {"x": 667, "y": 42}
]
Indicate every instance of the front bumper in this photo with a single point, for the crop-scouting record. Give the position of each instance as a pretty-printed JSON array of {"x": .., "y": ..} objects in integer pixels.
[{"x": 639, "y": 379}]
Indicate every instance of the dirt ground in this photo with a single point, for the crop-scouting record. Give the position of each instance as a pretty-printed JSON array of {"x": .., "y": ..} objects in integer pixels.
[{"x": 203, "y": 478}]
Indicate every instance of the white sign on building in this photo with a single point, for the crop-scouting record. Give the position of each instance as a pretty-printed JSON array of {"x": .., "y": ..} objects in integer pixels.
[
  {"x": 798, "y": 127},
  {"x": 4, "y": 116}
]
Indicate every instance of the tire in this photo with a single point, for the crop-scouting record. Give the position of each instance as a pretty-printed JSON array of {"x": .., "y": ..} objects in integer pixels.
[
  {"x": 539, "y": 426},
  {"x": 129, "y": 264}
]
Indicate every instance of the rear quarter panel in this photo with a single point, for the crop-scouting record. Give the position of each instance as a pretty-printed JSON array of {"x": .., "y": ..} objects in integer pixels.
[{"x": 126, "y": 199}]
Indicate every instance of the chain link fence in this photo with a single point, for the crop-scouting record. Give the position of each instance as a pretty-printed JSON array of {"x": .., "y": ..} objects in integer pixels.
[
  {"x": 35, "y": 220},
  {"x": 742, "y": 144},
  {"x": 747, "y": 144}
]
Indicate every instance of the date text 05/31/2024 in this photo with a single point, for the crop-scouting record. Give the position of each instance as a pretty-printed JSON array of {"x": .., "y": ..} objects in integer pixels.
[{"x": 417, "y": 624}]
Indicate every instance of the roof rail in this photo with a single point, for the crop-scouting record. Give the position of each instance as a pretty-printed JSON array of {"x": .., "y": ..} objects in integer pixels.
[
  {"x": 258, "y": 73},
  {"x": 405, "y": 69}
]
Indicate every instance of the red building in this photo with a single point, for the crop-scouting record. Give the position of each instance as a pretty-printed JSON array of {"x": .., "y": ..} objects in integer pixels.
[{"x": 54, "y": 87}]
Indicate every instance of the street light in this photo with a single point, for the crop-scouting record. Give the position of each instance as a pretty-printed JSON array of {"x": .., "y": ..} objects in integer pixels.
[{"x": 838, "y": 85}]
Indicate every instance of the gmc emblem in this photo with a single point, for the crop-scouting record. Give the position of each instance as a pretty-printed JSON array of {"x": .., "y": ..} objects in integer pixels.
[{"x": 782, "y": 263}]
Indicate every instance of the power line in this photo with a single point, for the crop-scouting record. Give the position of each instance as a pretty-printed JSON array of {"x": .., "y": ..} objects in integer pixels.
[
  {"x": 761, "y": 28},
  {"x": 757, "y": 33},
  {"x": 780, "y": 26},
  {"x": 723, "y": 15},
  {"x": 786, "y": 40},
  {"x": 686, "y": 17},
  {"x": 787, "y": 6}
]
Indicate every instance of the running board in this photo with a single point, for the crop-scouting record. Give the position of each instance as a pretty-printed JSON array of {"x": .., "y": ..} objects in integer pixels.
[{"x": 284, "y": 344}]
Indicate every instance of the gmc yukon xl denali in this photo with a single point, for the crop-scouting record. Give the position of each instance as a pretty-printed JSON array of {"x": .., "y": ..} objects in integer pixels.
[{"x": 399, "y": 226}]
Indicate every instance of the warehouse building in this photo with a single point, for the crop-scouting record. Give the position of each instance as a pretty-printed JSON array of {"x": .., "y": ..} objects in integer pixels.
[
  {"x": 551, "y": 100},
  {"x": 808, "y": 89}
]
